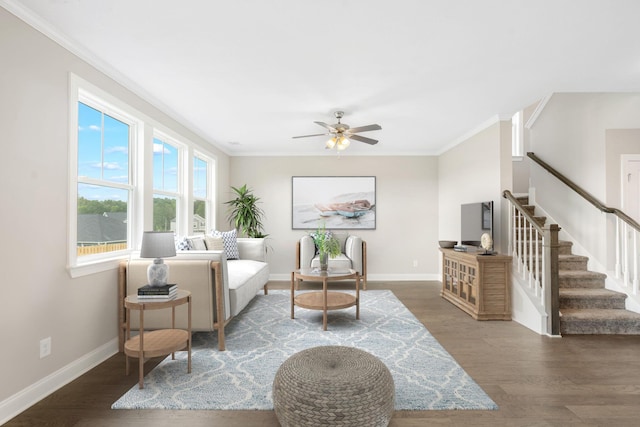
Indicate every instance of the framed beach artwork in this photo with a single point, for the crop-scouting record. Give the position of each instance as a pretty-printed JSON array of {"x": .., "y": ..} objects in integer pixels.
[{"x": 337, "y": 202}]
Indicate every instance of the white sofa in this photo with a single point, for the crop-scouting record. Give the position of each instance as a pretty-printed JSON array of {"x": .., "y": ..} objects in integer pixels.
[{"x": 207, "y": 275}]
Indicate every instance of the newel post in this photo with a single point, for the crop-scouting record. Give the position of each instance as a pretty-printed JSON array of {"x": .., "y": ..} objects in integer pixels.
[{"x": 554, "y": 289}]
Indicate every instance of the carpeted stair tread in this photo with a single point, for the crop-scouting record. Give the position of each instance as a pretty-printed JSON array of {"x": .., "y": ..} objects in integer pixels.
[
  {"x": 572, "y": 257},
  {"x": 581, "y": 279},
  {"x": 590, "y": 293},
  {"x": 564, "y": 247},
  {"x": 572, "y": 262},
  {"x": 579, "y": 274},
  {"x": 585, "y": 298},
  {"x": 541, "y": 220},
  {"x": 595, "y": 321}
]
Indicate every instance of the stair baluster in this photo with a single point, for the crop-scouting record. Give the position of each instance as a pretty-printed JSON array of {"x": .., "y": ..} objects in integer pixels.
[{"x": 532, "y": 248}]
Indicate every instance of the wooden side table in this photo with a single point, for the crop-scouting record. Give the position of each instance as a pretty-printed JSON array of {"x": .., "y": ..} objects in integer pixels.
[
  {"x": 159, "y": 342},
  {"x": 324, "y": 300}
]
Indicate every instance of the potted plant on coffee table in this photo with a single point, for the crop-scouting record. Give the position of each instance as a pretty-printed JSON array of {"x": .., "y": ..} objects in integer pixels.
[{"x": 327, "y": 244}]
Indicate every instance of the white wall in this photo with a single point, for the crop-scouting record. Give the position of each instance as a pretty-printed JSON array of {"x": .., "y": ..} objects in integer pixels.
[
  {"x": 476, "y": 170},
  {"x": 570, "y": 135},
  {"x": 39, "y": 298},
  {"x": 406, "y": 209},
  {"x": 618, "y": 143}
]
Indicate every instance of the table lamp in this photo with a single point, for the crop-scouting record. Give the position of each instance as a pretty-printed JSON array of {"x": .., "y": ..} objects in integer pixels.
[{"x": 158, "y": 245}]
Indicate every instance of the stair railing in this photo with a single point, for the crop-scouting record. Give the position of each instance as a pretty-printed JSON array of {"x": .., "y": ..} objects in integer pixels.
[
  {"x": 627, "y": 232},
  {"x": 534, "y": 249}
]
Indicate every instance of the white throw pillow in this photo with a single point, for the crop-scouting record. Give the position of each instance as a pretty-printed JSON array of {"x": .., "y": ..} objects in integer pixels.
[
  {"x": 214, "y": 243},
  {"x": 197, "y": 243}
]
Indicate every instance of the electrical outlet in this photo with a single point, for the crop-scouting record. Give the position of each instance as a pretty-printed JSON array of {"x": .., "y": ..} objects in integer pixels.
[
  {"x": 415, "y": 262},
  {"x": 45, "y": 347}
]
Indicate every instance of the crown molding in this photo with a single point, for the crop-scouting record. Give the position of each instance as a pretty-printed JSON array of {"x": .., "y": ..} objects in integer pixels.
[{"x": 537, "y": 111}]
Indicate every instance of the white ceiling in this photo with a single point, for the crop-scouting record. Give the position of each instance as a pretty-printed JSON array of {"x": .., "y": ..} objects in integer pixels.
[{"x": 248, "y": 75}]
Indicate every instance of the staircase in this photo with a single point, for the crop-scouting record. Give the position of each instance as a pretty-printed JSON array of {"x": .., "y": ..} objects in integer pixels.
[{"x": 586, "y": 307}]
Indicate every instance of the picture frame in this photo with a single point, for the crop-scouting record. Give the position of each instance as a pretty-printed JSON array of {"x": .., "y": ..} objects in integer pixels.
[{"x": 335, "y": 202}]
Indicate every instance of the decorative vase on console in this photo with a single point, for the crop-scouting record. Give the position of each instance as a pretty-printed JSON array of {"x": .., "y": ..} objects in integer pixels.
[{"x": 327, "y": 245}]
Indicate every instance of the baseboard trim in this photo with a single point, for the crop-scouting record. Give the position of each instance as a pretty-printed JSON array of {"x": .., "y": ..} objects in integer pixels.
[
  {"x": 375, "y": 277},
  {"x": 19, "y": 402}
]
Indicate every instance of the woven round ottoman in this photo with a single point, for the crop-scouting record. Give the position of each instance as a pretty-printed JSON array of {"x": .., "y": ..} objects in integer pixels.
[{"x": 334, "y": 386}]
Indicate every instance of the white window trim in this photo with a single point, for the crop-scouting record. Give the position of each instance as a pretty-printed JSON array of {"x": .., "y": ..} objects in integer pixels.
[
  {"x": 179, "y": 194},
  {"x": 209, "y": 205},
  {"x": 517, "y": 136},
  {"x": 82, "y": 91},
  {"x": 140, "y": 210}
]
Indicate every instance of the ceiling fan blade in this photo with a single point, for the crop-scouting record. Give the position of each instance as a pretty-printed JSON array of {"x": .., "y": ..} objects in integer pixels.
[
  {"x": 326, "y": 126},
  {"x": 364, "y": 128},
  {"x": 307, "y": 136},
  {"x": 363, "y": 139}
]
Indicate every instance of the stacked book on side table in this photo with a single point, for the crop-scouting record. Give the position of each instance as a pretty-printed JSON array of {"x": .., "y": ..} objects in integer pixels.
[{"x": 158, "y": 293}]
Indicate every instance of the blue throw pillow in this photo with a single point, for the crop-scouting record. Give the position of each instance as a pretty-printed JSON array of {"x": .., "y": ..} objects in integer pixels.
[
  {"x": 230, "y": 242},
  {"x": 183, "y": 244}
]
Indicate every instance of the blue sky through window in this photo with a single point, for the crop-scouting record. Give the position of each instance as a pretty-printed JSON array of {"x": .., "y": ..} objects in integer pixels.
[
  {"x": 103, "y": 153},
  {"x": 165, "y": 166},
  {"x": 199, "y": 178}
]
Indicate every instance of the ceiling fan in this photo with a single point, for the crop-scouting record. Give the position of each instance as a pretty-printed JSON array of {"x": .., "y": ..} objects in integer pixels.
[{"x": 342, "y": 134}]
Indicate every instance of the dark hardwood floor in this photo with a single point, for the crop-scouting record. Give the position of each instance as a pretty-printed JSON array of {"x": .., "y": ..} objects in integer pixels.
[{"x": 535, "y": 380}]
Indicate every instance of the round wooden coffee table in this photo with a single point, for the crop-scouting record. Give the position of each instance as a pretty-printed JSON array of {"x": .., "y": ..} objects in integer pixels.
[{"x": 324, "y": 300}]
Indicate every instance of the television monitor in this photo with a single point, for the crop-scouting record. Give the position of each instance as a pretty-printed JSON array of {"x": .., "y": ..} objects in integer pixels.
[{"x": 476, "y": 219}]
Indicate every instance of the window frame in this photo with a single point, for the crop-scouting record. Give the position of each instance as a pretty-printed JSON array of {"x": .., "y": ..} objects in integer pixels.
[
  {"x": 143, "y": 129},
  {"x": 517, "y": 135},
  {"x": 208, "y": 199},
  {"x": 179, "y": 193},
  {"x": 92, "y": 96}
]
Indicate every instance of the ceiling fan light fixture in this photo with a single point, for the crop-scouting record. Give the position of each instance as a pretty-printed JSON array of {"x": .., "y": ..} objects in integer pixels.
[
  {"x": 342, "y": 133},
  {"x": 343, "y": 143}
]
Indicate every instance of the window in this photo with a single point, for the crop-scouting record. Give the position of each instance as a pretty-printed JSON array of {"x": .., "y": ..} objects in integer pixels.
[
  {"x": 166, "y": 184},
  {"x": 201, "y": 196},
  {"x": 111, "y": 186},
  {"x": 103, "y": 185},
  {"x": 517, "y": 135}
]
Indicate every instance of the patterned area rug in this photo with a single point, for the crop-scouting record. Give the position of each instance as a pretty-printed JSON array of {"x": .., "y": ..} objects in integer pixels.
[{"x": 263, "y": 336}]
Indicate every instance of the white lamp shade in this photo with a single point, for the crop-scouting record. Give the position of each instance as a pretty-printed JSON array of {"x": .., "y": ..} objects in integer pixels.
[{"x": 158, "y": 244}]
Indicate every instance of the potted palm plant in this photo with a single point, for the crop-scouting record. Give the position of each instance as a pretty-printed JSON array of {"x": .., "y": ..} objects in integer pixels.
[
  {"x": 245, "y": 214},
  {"x": 328, "y": 246}
]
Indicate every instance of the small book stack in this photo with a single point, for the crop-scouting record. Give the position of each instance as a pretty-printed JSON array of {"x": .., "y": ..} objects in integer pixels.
[{"x": 158, "y": 293}]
